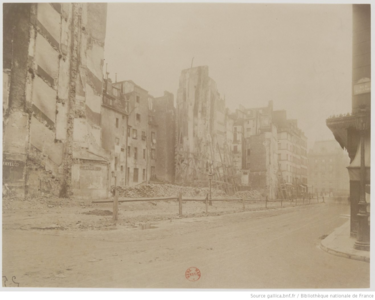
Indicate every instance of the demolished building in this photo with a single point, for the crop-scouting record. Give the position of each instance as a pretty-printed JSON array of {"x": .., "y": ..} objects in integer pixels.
[
  {"x": 202, "y": 146},
  {"x": 53, "y": 57}
]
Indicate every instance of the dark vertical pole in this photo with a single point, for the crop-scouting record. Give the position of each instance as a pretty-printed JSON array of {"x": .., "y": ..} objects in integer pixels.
[
  {"x": 180, "y": 204},
  {"x": 363, "y": 234},
  {"x": 115, "y": 202},
  {"x": 266, "y": 201},
  {"x": 206, "y": 205},
  {"x": 243, "y": 204}
]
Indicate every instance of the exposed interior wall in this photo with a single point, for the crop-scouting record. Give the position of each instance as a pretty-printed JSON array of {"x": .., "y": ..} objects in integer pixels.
[
  {"x": 201, "y": 146},
  {"x": 16, "y": 120},
  {"x": 54, "y": 94}
]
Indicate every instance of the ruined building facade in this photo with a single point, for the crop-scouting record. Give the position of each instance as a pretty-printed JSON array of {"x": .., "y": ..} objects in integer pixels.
[
  {"x": 145, "y": 141},
  {"x": 202, "y": 147},
  {"x": 53, "y": 55},
  {"x": 252, "y": 148}
]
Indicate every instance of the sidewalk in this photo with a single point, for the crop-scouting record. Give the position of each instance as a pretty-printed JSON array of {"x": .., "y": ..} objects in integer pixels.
[{"x": 340, "y": 243}]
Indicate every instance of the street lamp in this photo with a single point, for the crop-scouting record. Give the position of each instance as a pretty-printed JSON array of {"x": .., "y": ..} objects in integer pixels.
[{"x": 363, "y": 234}]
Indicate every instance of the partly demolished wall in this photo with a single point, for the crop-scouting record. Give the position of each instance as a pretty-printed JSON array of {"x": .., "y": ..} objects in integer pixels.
[
  {"x": 201, "y": 129},
  {"x": 53, "y": 121}
]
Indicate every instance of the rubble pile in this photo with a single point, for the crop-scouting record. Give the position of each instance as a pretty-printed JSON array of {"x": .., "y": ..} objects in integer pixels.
[{"x": 167, "y": 190}]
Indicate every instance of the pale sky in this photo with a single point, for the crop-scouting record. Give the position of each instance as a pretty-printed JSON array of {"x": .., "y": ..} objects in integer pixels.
[{"x": 298, "y": 55}]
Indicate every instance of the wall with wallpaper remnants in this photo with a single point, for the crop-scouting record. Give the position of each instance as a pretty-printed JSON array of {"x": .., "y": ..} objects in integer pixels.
[{"x": 52, "y": 101}]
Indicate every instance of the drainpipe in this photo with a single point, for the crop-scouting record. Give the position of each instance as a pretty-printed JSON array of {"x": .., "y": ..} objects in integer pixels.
[{"x": 126, "y": 143}]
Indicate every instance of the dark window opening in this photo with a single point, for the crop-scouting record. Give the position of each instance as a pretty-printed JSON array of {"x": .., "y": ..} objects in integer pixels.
[{"x": 135, "y": 175}]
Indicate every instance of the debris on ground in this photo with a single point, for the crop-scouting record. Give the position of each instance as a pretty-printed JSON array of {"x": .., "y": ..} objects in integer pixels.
[
  {"x": 170, "y": 190},
  {"x": 98, "y": 212}
]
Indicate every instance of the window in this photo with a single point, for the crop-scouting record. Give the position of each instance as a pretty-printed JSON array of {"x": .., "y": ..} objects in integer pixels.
[
  {"x": 138, "y": 117},
  {"x": 122, "y": 168},
  {"x": 116, "y": 122},
  {"x": 135, "y": 175},
  {"x": 129, "y": 131},
  {"x": 128, "y": 150},
  {"x": 137, "y": 99},
  {"x": 135, "y": 134},
  {"x": 117, "y": 141},
  {"x": 153, "y": 172},
  {"x": 143, "y": 136},
  {"x": 115, "y": 163},
  {"x": 144, "y": 153},
  {"x": 153, "y": 140},
  {"x": 248, "y": 151},
  {"x": 144, "y": 175},
  {"x": 235, "y": 149},
  {"x": 135, "y": 153},
  {"x": 152, "y": 153}
]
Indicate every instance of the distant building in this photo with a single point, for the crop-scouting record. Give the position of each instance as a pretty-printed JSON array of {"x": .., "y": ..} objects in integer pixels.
[
  {"x": 327, "y": 173},
  {"x": 292, "y": 152},
  {"x": 259, "y": 148}
]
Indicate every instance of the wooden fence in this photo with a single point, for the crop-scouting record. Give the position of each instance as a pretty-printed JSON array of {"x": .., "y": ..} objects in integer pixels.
[{"x": 180, "y": 200}]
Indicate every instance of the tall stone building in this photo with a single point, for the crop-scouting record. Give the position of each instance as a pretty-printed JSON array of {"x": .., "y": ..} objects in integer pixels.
[
  {"x": 53, "y": 55},
  {"x": 353, "y": 131},
  {"x": 327, "y": 173}
]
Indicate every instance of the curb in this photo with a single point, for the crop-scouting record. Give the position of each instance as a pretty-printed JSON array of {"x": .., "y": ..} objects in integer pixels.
[{"x": 343, "y": 254}]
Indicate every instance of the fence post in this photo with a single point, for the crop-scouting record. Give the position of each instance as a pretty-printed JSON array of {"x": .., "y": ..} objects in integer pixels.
[
  {"x": 180, "y": 204},
  {"x": 206, "y": 204},
  {"x": 243, "y": 204},
  {"x": 115, "y": 203}
]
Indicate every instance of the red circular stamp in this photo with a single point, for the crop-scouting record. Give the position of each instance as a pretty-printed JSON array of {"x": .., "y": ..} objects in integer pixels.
[{"x": 193, "y": 274}]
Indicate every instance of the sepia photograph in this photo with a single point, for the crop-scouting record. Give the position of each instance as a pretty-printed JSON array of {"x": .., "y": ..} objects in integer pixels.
[{"x": 186, "y": 145}]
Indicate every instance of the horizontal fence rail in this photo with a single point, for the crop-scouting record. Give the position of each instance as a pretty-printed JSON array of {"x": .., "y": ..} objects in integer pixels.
[{"x": 206, "y": 200}]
